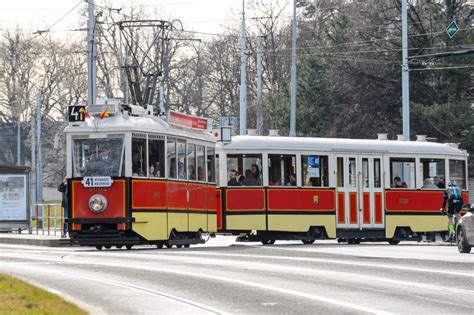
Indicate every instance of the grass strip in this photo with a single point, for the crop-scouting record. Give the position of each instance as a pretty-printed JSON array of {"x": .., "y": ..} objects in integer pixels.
[{"x": 19, "y": 297}]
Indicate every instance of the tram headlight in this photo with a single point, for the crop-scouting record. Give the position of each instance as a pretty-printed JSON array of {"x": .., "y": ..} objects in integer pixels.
[{"x": 97, "y": 203}]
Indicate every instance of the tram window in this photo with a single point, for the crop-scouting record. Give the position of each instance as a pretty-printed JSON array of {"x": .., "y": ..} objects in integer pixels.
[
  {"x": 139, "y": 157},
  {"x": 457, "y": 171},
  {"x": 377, "y": 177},
  {"x": 201, "y": 163},
  {"x": 156, "y": 153},
  {"x": 365, "y": 172},
  {"x": 98, "y": 157},
  {"x": 281, "y": 170},
  {"x": 402, "y": 172},
  {"x": 182, "y": 165},
  {"x": 340, "y": 172},
  {"x": 248, "y": 168},
  {"x": 315, "y": 170},
  {"x": 191, "y": 161},
  {"x": 171, "y": 152},
  {"x": 434, "y": 173},
  {"x": 352, "y": 172},
  {"x": 211, "y": 165}
]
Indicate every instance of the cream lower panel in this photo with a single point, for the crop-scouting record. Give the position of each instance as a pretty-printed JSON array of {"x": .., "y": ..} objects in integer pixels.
[
  {"x": 417, "y": 223},
  {"x": 197, "y": 221},
  {"x": 178, "y": 221},
  {"x": 246, "y": 222},
  {"x": 302, "y": 223},
  {"x": 151, "y": 226},
  {"x": 212, "y": 222}
]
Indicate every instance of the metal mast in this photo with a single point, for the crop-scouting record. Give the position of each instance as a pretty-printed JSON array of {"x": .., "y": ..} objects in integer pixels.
[
  {"x": 293, "y": 76},
  {"x": 243, "y": 76},
  {"x": 405, "y": 74},
  {"x": 259, "y": 88},
  {"x": 91, "y": 56}
]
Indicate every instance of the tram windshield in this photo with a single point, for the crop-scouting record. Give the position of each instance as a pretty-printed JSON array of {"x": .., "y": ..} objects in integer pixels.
[{"x": 98, "y": 157}]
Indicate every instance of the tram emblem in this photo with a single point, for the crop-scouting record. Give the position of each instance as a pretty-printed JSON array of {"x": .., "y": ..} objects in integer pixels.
[{"x": 316, "y": 200}]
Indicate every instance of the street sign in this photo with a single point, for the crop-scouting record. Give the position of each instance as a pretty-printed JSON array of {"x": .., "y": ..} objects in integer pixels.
[{"x": 452, "y": 29}]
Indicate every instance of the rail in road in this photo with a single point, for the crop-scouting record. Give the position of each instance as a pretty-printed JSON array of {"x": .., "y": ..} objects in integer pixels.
[{"x": 229, "y": 278}]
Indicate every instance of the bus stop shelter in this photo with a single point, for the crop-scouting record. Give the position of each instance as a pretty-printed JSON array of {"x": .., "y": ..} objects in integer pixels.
[{"x": 14, "y": 198}]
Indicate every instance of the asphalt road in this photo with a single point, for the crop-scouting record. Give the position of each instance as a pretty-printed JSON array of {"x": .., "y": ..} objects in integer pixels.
[{"x": 226, "y": 277}]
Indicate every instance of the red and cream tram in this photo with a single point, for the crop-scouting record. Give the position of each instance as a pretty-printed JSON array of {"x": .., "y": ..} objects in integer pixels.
[
  {"x": 318, "y": 188},
  {"x": 135, "y": 178}
]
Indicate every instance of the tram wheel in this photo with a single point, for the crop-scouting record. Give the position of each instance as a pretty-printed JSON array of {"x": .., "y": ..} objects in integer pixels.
[
  {"x": 168, "y": 245},
  {"x": 159, "y": 245},
  {"x": 393, "y": 242},
  {"x": 268, "y": 242},
  {"x": 107, "y": 247},
  {"x": 307, "y": 242},
  {"x": 119, "y": 246},
  {"x": 186, "y": 245},
  {"x": 128, "y": 246},
  {"x": 99, "y": 247},
  {"x": 179, "y": 246}
]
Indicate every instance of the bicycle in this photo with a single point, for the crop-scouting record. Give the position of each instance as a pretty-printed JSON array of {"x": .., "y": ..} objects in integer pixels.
[{"x": 452, "y": 236}]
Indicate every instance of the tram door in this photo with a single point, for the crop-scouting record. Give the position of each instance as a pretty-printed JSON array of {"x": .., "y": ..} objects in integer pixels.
[{"x": 359, "y": 192}]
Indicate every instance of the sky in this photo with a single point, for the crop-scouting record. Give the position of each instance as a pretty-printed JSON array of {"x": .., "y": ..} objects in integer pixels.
[{"x": 196, "y": 15}]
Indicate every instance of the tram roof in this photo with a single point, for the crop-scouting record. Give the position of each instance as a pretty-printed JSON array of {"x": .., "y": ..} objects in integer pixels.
[
  {"x": 139, "y": 124},
  {"x": 256, "y": 143}
]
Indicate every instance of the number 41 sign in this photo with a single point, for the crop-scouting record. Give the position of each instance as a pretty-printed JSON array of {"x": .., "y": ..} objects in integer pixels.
[{"x": 75, "y": 113}]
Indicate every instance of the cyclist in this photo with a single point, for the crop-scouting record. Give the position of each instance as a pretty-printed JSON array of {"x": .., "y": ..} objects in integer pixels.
[{"x": 452, "y": 196}]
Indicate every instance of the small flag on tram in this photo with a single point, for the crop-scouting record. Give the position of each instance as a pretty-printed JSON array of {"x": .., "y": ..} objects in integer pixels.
[
  {"x": 84, "y": 112},
  {"x": 104, "y": 114}
]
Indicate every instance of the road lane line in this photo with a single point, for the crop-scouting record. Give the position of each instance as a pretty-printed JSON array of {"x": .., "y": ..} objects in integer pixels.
[
  {"x": 313, "y": 297},
  {"x": 324, "y": 260}
]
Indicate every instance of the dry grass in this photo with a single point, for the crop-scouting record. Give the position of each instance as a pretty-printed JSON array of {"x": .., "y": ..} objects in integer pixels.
[{"x": 19, "y": 297}]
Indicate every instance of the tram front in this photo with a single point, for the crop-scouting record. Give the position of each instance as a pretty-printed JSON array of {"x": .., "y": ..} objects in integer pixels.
[{"x": 97, "y": 198}]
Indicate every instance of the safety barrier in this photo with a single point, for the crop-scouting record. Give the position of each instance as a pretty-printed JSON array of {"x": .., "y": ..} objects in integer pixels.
[{"x": 47, "y": 218}]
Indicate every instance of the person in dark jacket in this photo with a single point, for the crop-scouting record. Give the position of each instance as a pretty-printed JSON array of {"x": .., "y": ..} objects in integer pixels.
[
  {"x": 250, "y": 180},
  {"x": 63, "y": 189},
  {"x": 233, "y": 179}
]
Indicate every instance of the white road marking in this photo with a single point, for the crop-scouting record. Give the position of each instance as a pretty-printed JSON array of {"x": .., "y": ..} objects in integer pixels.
[{"x": 313, "y": 297}]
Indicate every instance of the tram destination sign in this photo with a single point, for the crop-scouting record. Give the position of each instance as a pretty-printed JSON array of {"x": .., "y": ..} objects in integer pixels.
[
  {"x": 189, "y": 121},
  {"x": 97, "y": 181}
]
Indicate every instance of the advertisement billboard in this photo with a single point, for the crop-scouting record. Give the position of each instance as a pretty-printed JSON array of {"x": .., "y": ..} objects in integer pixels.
[{"x": 13, "y": 197}]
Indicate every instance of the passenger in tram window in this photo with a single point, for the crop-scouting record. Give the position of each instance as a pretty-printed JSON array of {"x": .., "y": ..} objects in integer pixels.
[
  {"x": 136, "y": 165},
  {"x": 181, "y": 171},
  {"x": 233, "y": 178},
  {"x": 255, "y": 171},
  {"x": 428, "y": 183},
  {"x": 191, "y": 172},
  {"x": 157, "y": 169},
  {"x": 250, "y": 180},
  {"x": 151, "y": 171},
  {"x": 292, "y": 181},
  {"x": 397, "y": 183},
  {"x": 314, "y": 182},
  {"x": 201, "y": 174},
  {"x": 439, "y": 182}
]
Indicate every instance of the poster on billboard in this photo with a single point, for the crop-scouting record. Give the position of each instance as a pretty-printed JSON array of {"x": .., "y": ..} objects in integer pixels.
[{"x": 13, "y": 198}]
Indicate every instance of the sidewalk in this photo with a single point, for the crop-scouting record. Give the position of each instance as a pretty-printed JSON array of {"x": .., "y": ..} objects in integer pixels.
[{"x": 33, "y": 239}]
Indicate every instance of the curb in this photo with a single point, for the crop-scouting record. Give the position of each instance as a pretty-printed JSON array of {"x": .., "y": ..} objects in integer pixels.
[{"x": 32, "y": 241}]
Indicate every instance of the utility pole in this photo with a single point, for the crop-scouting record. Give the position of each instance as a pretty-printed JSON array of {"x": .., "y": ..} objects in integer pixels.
[
  {"x": 39, "y": 162},
  {"x": 259, "y": 88},
  {"x": 405, "y": 74},
  {"x": 91, "y": 56},
  {"x": 18, "y": 140},
  {"x": 243, "y": 76},
  {"x": 293, "y": 75}
]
